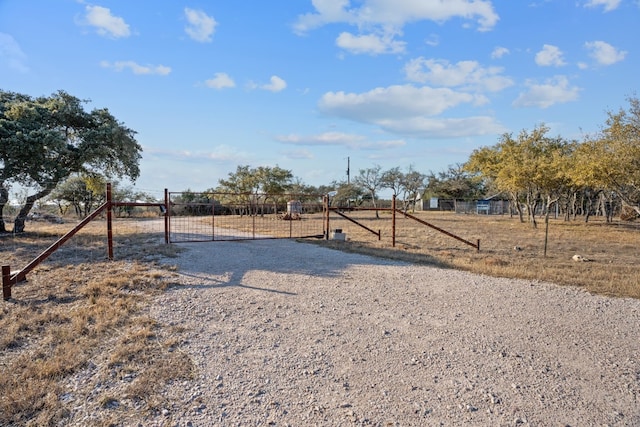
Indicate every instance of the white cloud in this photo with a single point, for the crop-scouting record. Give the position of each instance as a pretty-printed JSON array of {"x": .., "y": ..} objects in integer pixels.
[
  {"x": 371, "y": 44},
  {"x": 396, "y": 13},
  {"x": 276, "y": 84},
  {"x": 136, "y": 68},
  {"x": 394, "y": 101},
  {"x": 609, "y": 5},
  {"x": 409, "y": 110},
  {"x": 550, "y": 56},
  {"x": 384, "y": 19},
  {"x": 432, "y": 40},
  {"x": 353, "y": 141},
  {"x": 499, "y": 52},
  {"x": 105, "y": 23},
  {"x": 201, "y": 26},
  {"x": 298, "y": 154},
  {"x": 11, "y": 54},
  {"x": 556, "y": 90},
  {"x": 220, "y": 154},
  {"x": 220, "y": 81},
  {"x": 604, "y": 53},
  {"x": 464, "y": 74},
  {"x": 425, "y": 127}
]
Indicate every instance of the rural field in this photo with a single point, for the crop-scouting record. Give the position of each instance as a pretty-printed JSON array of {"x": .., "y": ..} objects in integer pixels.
[
  {"x": 269, "y": 333},
  {"x": 508, "y": 248}
]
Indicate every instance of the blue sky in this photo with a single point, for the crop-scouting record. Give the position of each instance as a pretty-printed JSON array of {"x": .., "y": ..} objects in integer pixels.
[{"x": 306, "y": 84}]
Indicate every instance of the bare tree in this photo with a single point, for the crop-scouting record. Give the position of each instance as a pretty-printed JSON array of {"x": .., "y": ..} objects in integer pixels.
[{"x": 371, "y": 180}]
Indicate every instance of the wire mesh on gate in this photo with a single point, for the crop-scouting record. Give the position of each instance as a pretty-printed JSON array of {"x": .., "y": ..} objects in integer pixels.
[{"x": 198, "y": 217}]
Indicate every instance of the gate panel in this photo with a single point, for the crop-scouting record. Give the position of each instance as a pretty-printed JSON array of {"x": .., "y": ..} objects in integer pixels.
[{"x": 205, "y": 217}]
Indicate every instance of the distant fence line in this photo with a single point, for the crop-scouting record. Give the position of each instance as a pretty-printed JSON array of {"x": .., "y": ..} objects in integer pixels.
[{"x": 486, "y": 207}]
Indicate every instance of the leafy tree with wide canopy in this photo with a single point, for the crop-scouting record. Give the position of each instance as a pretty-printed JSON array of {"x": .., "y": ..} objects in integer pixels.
[
  {"x": 44, "y": 140},
  {"x": 611, "y": 160},
  {"x": 531, "y": 167},
  {"x": 254, "y": 186},
  {"x": 455, "y": 183}
]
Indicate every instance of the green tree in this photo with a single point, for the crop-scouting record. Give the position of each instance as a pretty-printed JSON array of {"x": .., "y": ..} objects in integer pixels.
[
  {"x": 531, "y": 168},
  {"x": 455, "y": 183},
  {"x": 45, "y": 140},
  {"x": 273, "y": 182},
  {"x": 347, "y": 194},
  {"x": 252, "y": 187},
  {"x": 82, "y": 192},
  {"x": 611, "y": 159}
]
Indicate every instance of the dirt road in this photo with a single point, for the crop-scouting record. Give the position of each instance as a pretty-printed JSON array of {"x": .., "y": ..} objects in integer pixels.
[{"x": 285, "y": 333}]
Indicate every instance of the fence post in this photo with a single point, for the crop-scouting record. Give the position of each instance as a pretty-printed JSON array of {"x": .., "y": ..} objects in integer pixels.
[
  {"x": 325, "y": 203},
  {"x": 167, "y": 215},
  {"x": 109, "y": 223},
  {"x": 213, "y": 217},
  {"x": 393, "y": 221},
  {"x": 6, "y": 282}
]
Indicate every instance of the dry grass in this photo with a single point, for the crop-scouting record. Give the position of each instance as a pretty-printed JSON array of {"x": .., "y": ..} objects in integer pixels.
[
  {"x": 70, "y": 316},
  {"x": 79, "y": 312},
  {"x": 508, "y": 248}
]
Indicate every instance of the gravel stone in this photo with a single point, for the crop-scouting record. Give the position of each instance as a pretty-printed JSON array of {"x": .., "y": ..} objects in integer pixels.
[{"x": 286, "y": 333}]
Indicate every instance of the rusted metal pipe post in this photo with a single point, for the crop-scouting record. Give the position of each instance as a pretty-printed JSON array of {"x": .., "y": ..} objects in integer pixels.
[
  {"x": 393, "y": 221},
  {"x": 6, "y": 282},
  {"x": 213, "y": 218},
  {"x": 325, "y": 203},
  {"x": 109, "y": 223},
  {"x": 167, "y": 216}
]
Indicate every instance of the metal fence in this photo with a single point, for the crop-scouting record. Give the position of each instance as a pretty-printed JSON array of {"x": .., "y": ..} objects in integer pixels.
[
  {"x": 482, "y": 207},
  {"x": 201, "y": 217}
]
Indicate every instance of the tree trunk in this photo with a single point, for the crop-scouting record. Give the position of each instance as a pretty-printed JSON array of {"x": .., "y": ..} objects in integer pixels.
[
  {"x": 531, "y": 210},
  {"x": 546, "y": 232},
  {"x": 373, "y": 200},
  {"x": 4, "y": 199},
  {"x": 550, "y": 202},
  {"x": 18, "y": 223},
  {"x": 514, "y": 197}
]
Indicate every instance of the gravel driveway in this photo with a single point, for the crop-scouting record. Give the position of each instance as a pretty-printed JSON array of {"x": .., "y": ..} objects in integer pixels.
[{"x": 293, "y": 334}]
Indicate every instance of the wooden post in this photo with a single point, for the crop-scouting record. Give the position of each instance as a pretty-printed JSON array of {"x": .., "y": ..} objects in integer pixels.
[
  {"x": 6, "y": 282},
  {"x": 109, "y": 223}
]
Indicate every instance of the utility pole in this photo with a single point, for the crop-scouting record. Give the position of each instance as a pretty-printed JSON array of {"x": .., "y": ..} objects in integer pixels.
[
  {"x": 348, "y": 170},
  {"x": 348, "y": 182}
]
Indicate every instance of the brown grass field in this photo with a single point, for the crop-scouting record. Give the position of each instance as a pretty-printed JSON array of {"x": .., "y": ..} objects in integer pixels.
[
  {"x": 612, "y": 250},
  {"x": 78, "y": 307}
]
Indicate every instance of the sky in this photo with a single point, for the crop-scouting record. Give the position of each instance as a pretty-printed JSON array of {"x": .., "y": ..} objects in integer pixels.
[{"x": 313, "y": 86}]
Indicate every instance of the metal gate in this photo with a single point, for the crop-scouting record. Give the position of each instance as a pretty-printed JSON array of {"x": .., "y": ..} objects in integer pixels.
[{"x": 205, "y": 217}]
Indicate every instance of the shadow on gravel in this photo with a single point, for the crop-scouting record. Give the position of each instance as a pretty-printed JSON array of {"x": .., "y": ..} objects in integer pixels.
[
  {"x": 224, "y": 264},
  {"x": 222, "y": 284}
]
